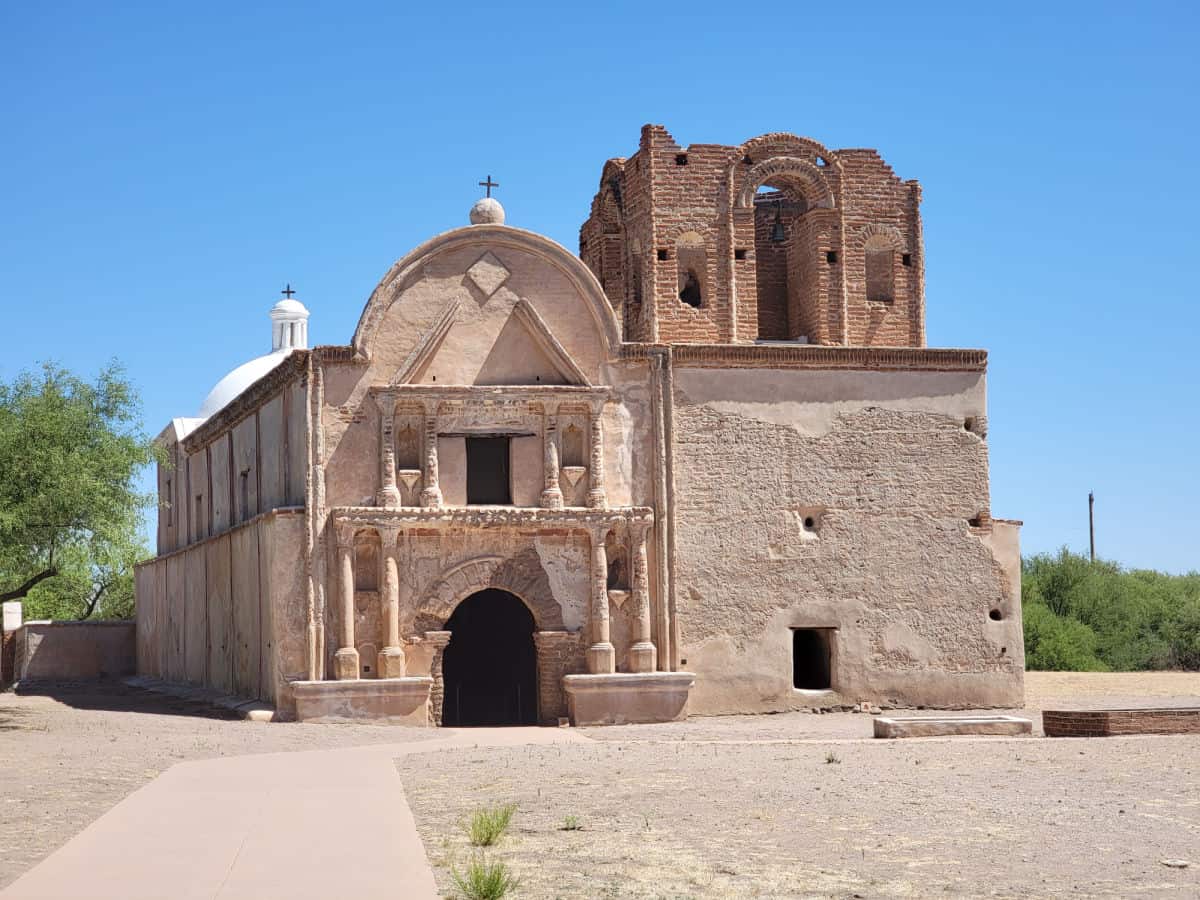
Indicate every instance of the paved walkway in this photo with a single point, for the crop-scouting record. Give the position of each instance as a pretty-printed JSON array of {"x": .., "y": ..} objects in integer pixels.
[{"x": 321, "y": 824}]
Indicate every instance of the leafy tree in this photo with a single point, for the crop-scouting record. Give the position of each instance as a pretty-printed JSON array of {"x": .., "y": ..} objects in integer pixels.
[
  {"x": 1086, "y": 615},
  {"x": 70, "y": 513}
]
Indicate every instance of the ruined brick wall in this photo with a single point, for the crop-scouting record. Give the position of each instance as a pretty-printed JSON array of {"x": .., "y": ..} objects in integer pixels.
[
  {"x": 843, "y": 501},
  {"x": 1112, "y": 722},
  {"x": 838, "y": 203}
]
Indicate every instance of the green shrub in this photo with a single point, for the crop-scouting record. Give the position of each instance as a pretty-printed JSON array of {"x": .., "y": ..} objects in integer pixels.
[
  {"x": 488, "y": 824},
  {"x": 570, "y": 823},
  {"x": 483, "y": 880},
  {"x": 1085, "y": 616}
]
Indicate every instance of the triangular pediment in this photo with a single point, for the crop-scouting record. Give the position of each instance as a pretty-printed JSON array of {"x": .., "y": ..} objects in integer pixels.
[{"x": 522, "y": 351}]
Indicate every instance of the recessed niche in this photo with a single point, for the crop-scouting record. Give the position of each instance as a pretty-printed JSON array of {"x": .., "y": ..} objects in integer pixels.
[
  {"x": 831, "y": 257},
  {"x": 739, "y": 254},
  {"x": 809, "y": 519},
  {"x": 681, "y": 159},
  {"x": 995, "y": 615},
  {"x": 662, "y": 255},
  {"x": 906, "y": 260}
]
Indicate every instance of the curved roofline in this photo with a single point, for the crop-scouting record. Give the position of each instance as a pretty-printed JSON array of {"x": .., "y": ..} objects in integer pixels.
[{"x": 404, "y": 271}]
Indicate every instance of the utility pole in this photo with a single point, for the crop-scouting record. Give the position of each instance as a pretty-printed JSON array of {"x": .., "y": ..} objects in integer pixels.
[{"x": 1092, "y": 523}]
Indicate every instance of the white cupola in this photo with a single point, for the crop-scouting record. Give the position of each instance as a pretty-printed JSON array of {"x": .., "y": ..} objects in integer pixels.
[
  {"x": 289, "y": 324},
  {"x": 289, "y": 331}
]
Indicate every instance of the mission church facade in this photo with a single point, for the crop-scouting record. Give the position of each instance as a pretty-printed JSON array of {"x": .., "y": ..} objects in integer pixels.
[{"x": 707, "y": 466}]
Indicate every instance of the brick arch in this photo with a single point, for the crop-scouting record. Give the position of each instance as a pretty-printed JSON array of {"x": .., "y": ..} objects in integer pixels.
[
  {"x": 521, "y": 575},
  {"x": 792, "y": 172},
  {"x": 877, "y": 235}
]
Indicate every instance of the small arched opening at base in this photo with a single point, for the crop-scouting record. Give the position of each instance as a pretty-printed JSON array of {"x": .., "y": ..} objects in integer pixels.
[{"x": 489, "y": 668}]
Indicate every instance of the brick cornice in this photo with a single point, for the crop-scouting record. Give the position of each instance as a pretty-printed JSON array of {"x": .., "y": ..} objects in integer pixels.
[{"x": 814, "y": 356}]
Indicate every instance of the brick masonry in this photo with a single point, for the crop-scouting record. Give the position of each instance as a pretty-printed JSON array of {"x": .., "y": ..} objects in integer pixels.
[
  {"x": 777, "y": 231},
  {"x": 1114, "y": 722}
]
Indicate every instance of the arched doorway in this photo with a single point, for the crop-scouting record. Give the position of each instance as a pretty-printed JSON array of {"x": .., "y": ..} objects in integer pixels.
[{"x": 489, "y": 668}]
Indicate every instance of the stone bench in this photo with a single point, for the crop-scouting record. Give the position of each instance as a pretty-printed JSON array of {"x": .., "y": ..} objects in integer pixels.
[{"x": 942, "y": 726}]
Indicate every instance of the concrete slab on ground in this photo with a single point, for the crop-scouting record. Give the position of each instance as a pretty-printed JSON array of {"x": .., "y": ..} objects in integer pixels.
[
  {"x": 316, "y": 824},
  {"x": 947, "y": 726}
]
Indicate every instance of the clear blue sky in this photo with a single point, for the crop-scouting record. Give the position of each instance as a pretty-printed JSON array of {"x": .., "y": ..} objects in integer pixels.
[{"x": 166, "y": 167}]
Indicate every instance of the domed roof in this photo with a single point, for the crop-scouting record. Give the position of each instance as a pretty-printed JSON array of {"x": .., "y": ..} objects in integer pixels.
[
  {"x": 240, "y": 379},
  {"x": 290, "y": 306}
]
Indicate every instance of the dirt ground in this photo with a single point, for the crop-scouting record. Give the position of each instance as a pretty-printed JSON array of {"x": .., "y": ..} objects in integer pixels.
[
  {"x": 68, "y": 757},
  {"x": 740, "y": 806}
]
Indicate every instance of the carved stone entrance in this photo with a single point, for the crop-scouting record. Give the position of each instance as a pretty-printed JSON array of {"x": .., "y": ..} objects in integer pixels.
[{"x": 489, "y": 667}]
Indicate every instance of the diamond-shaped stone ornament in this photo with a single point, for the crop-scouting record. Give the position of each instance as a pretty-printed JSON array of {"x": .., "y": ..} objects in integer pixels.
[{"x": 488, "y": 274}]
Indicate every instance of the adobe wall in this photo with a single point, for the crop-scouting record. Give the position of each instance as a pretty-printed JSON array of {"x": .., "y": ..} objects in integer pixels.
[
  {"x": 892, "y": 469},
  {"x": 66, "y": 651},
  {"x": 248, "y": 459},
  {"x": 228, "y": 612}
]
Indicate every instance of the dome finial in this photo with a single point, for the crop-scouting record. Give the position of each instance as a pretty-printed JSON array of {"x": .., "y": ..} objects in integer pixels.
[{"x": 487, "y": 211}]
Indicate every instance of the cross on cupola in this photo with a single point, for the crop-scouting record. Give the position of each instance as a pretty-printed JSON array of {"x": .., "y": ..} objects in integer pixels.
[
  {"x": 287, "y": 291},
  {"x": 489, "y": 184}
]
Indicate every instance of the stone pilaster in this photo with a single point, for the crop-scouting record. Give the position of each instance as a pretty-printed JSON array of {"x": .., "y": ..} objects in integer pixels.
[
  {"x": 601, "y": 655},
  {"x": 437, "y": 693},
  {"x": 596, "y": 498},
  {"x": 431, "y": 493},
  {"x": 346, "y": 658},
  {"x": 552, "y": 497},
  {"x": 390, "y": 661},
  {"x": 643, "y": 657},
  {"x": 389, "y": 494}
]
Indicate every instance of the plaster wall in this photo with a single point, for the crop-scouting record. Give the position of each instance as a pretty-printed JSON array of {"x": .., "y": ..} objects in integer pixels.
[
  {"x": 57, "y": 651},
  {"x": 229, "y": 612},
  {"x": 885, "y": 466}
]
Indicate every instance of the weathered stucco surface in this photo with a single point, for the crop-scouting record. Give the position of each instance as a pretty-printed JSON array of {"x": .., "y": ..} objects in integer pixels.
[{"x": 884, "y": 466}]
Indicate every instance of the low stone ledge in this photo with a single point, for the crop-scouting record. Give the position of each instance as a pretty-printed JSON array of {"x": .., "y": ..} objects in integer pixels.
[
  {"x": 386, "y": 701},
  {"x": 251, "y": 710},
  {"x": 1115, "y": 722},
  {"x": 944, "y": 726},
  {"x": 628, "y": 698}
]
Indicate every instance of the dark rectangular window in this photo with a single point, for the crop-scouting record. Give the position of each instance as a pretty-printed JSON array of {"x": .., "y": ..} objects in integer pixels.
[
  {"x": 487, "y": 472},
  {"x": 810, "y": 658}
]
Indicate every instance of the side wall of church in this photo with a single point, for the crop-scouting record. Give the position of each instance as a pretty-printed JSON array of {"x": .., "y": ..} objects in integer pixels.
[
  {"x": 228, "y": 612},
  {"x": 850, "y": 501},
  {"x": 249, "y": 459}
]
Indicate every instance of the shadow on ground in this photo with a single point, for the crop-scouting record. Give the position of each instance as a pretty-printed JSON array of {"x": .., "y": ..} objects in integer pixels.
[{"x": 116, "y": 696}]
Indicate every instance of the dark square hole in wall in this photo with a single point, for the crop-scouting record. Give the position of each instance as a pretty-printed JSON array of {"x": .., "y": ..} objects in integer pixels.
[
  {"x": 662, "y": 255},
  {"x": 487, "y": 471},
  {"x": 811, "y": 658},
  {"x": 906, "y": 259},
  {"x": 831, "y": 257},
  {"x": 739, "y": 254},
  {"x": 681, "y": 159}
]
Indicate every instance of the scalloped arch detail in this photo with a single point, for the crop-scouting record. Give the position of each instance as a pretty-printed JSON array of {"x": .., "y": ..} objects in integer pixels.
[
  {"x": 879, "y": 235},
  {"x": 408, "y": 269},
  {"x": 521, "y": 575},
  {"x": 816, "y": 189}
]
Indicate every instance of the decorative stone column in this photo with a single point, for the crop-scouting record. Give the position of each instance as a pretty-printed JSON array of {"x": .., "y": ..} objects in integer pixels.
[
  {"x": 552, "y": 497},
  {"x": 389, "y": 494},
  {"x": 601, "y": 656},
  {"x": 346, "y": 658},
  {"x": 643, "y": 657},
  {"x": 431, "y": 493},
  {"x": 437, "y": 694},
  {"x": 390, "y": 661},
  {"x": 595, "y": 497}
]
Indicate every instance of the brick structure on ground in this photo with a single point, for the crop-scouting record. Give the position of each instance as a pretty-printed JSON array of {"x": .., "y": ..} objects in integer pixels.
[{"x": 1114, "y": 722}]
